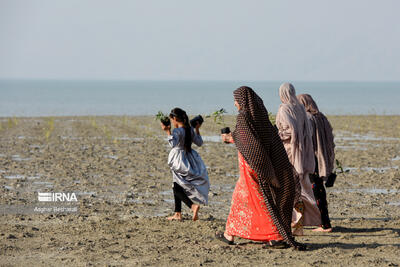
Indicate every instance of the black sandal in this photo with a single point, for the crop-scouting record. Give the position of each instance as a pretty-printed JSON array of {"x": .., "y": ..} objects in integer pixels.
[
  {"x": 221, "y": 237},
  {"x": 276, "y": 244}
]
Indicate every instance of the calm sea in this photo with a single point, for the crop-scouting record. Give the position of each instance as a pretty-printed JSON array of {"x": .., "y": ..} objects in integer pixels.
[{"x": 54, "y": 98}]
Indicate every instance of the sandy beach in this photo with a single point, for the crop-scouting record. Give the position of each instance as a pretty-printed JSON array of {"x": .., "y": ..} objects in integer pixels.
[{"x": 117, "y": 167}]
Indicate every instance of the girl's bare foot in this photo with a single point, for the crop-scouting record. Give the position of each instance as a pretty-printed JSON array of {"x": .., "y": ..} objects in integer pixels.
[
  {"x": 195, "y": 209},
  {"x": 177, "y": 216},
  {"x": 320, "y": 229}
]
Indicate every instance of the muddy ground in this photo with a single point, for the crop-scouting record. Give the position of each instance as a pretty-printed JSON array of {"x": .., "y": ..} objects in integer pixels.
[{"x": 117, "y": 168}]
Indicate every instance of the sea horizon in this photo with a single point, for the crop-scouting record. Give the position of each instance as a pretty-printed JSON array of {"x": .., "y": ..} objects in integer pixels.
[{"x": 53, "y": 97}]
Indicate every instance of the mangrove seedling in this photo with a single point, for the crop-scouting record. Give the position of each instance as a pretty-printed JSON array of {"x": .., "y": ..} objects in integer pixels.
[
  {"x": 218, "y": 117},
  {"x": 93, "y": 122},
  {"x": 49, "y": 128},
  {"x": 271, "y": 118},
  {"x": 339, "y": 166},
  {"x": 163, "y": 118},
  {"x": 12, "y": 122},
  {"x": 107, "y": 132}
]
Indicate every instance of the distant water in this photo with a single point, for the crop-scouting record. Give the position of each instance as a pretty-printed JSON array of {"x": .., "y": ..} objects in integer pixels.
[{"x": 56, "y": 98}]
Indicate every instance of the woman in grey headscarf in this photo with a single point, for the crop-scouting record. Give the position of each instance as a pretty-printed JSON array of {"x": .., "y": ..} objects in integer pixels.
[
  {"x": 296, "y": 135},
  {"x": 324, "y": 150}
]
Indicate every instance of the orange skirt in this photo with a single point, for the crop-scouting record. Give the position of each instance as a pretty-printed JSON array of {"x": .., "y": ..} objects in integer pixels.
[{"x": 249, "y": 217}]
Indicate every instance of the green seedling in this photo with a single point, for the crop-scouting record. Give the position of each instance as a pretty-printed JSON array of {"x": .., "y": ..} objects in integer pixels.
[
  {"x": 163, "y": 118},
  {"x": 339, "y": 166},
  {"x": 218, "y": 116},
  {"x": 107, "y": 132},
  {"x": 49, "y": 128},
  {"x": 271, "y": 118},
  {"x": 93, "y": 123},
  {"x": 10, "y": 123}
]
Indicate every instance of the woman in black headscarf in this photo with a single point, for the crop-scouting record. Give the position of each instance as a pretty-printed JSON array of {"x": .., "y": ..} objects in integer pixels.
[{"x": 267, "y": 189}]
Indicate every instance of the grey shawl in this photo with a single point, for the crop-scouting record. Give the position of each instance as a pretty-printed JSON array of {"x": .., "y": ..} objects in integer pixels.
[
  {"x": 295, "y": 130},
  {"x": 323, "y": 140}
]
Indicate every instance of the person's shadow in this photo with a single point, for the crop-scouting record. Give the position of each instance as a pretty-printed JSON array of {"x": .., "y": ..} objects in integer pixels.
[
  {"x": 349, "y": 230},
  {"x": 341, "y": 229},
  {"x": 340, "y": 245},
  {"x": 351, "y": 246}
]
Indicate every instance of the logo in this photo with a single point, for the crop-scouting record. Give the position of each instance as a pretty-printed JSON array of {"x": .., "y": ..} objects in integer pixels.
[{"x": 57, "y": 197}]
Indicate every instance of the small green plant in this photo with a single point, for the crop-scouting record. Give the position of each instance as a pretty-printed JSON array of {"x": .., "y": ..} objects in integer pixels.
[
  {"x": 107, "y": 132},
  {"x": 15, "y": 121},
  {"x": 125, "y": 121},
  {"x": 271, "y": 118},
  {"x": 49, "y": 128},
  {"x": 218, "y": 116},
  {"x": 10, "y": 123},
  {"x": 163, "y": 118},
  {"x": 51, "y": 124},
  {"x": 93, "y": 123},
  {"x": 47, "y": 134},
  {"x": 339, "y": 166}
]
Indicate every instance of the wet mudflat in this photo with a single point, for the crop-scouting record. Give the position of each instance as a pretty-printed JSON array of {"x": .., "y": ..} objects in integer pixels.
[{"x": 117, "y": 167}]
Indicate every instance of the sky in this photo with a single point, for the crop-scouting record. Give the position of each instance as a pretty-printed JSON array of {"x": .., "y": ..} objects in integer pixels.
[{"x": 310, "y": 40}]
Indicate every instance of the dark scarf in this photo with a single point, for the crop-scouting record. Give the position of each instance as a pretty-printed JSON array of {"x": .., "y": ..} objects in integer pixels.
[
  {"x": 259, "y": 143},
  {"x": 323, "y": 140}
]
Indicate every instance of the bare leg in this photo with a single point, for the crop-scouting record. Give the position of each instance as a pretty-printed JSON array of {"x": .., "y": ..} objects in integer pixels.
[
  {"x": 298, "y": 231},
  {"x": 195, "y": 208},
  {"x": 298, "y": 226}
]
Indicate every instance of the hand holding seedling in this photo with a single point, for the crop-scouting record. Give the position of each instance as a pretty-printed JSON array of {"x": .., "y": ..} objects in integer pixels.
[
  {"x": 163, "y": 118},
  {"x": 166, "y": 129},
  {"x": 165, "y": 122},
  {"x": 198, "y": 125}
]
